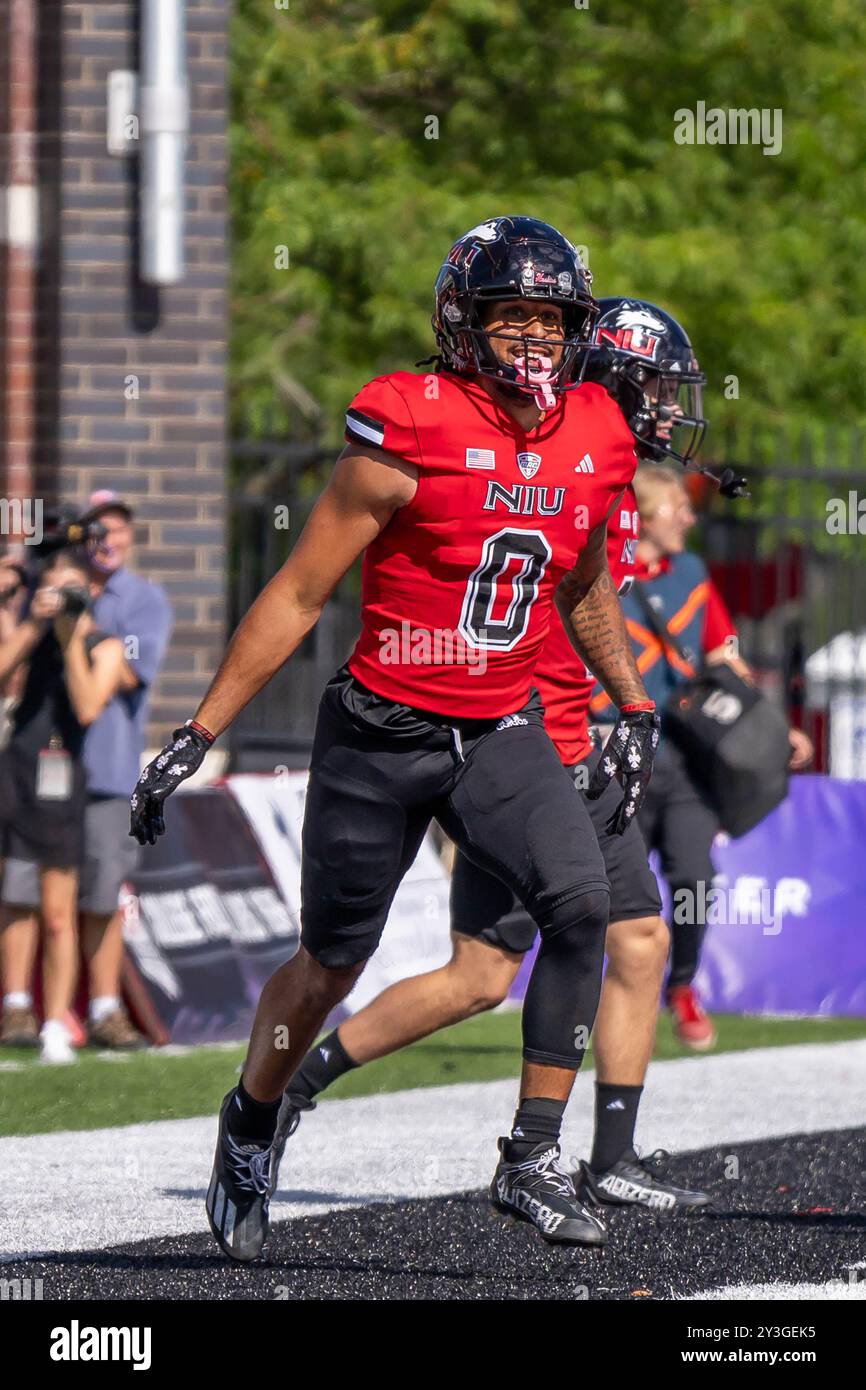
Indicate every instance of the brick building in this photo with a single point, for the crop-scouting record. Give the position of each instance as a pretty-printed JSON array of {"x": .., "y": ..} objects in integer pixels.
[{"x": 105, "y": 380}]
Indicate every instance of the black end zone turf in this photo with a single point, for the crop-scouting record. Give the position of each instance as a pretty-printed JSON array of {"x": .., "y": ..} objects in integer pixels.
[{"x": 789, "y": 1210}]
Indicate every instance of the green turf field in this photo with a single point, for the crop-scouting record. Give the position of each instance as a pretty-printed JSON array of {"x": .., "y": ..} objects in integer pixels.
[{"x": 103, "y": 1090}]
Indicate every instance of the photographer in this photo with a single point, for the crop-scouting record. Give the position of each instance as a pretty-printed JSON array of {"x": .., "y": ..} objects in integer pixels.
[
  {"x": 73, "y": 671},
  {"x": 13, "y": 591}
]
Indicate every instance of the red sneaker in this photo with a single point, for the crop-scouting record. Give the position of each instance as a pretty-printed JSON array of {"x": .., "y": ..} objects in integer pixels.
[
  {"x": 692, "y": 1025},
  {"x": 77, "y": 1034}
]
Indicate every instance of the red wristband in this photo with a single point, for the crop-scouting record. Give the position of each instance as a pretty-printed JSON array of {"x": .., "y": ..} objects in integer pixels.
[
  {"x": 200, "y": 729},
  {"x": 645, "y": 707}
]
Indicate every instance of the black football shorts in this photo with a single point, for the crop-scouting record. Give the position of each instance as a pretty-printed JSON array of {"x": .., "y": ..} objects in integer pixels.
[
  {"x": 379, "y": 773},
  {"x": 484, "y": 907}
]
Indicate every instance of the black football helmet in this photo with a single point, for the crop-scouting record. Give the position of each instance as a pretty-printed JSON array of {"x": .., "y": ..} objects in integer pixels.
[
  {"x": 644, "y": 359},
  {"x": 513, "y": 258}
]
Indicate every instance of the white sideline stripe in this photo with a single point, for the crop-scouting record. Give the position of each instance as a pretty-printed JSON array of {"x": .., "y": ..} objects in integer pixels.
[
  {"x": 843, "y": 1287},
  {"x": 835, "y": 1291},
  {"x": 84, "y": 1190}
]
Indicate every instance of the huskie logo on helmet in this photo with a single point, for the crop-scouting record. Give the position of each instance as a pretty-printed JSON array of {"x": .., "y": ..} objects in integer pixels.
[
  {"x": 643, "y": 357},
  {"x": 514, "y": 258},
  {"x": 636, "y": 330}
]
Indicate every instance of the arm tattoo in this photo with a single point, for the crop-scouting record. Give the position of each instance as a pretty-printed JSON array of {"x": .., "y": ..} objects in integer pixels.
[{"x": 596, "y": 628}]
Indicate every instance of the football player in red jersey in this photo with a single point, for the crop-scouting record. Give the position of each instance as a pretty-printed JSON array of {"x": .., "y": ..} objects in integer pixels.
[
  {"x": 479, "y": 495},
  {"x": 490, "y": 930}
]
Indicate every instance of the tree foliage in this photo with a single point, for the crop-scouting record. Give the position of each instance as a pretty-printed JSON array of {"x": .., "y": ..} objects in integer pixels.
[{"x": 566, "y": 114}]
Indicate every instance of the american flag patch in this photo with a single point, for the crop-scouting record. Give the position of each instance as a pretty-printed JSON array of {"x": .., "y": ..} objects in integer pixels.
[{"x": 480, "y": 458}]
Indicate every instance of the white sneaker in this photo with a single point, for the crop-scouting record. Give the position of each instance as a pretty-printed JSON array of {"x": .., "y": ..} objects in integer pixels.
[{"x": 57, "y": 1049}]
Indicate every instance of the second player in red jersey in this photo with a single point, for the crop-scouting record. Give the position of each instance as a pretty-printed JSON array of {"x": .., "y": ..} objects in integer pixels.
[{"x": 561, "y": 677}]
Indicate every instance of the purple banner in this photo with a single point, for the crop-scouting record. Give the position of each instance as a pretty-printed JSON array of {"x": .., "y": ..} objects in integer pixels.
[
  {"x": 788, "y": 933},
  {"x": 785, "y": 916}
]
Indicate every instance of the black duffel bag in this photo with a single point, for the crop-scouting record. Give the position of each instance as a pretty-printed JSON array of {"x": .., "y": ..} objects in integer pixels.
[{"x": 734, "y": 740}]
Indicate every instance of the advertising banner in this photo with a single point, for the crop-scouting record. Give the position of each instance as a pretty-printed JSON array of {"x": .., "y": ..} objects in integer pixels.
[{"x": 205, "y": 923}]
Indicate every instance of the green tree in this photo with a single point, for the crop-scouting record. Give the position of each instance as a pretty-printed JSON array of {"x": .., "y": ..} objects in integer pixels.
[{"x": 567, "y": 114}]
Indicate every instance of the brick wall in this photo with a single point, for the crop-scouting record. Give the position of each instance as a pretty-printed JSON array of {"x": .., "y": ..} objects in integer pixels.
[{"x": 98, "y": 326}]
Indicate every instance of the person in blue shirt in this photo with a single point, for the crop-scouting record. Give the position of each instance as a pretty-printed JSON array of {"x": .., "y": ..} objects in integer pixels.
[{"x": 130, "y": 607}]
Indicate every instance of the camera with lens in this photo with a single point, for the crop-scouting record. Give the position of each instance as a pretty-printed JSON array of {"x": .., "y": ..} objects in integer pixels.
[{"x": 74, "y": 600}]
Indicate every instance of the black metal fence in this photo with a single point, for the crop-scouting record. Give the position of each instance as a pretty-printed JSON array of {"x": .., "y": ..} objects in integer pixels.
[{"x": 789, "y": 562}]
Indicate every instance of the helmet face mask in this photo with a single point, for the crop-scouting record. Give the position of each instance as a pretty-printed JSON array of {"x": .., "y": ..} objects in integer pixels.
[
  {"x": 644, "y": 359},
  {"x": 515, "y": 258}
]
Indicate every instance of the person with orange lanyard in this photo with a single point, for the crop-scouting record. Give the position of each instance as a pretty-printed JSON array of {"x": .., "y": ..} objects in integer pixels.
[{"x": 676, "y": 818}]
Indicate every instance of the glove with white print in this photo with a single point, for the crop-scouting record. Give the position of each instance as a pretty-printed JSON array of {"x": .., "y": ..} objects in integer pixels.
[
  {"x": 628, "y": 756},
  {"x": 178, "y": 760}
]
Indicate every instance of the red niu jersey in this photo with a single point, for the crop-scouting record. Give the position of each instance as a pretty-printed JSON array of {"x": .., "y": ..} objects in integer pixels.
[
  {"x": 458, "y": 587},
  {"x": 561, "y": 677}
]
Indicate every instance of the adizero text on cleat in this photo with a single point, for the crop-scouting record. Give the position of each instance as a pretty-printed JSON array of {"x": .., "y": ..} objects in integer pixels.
[
  {"x": 637, "y": 1181},
  {"x": 535, "y": 1189}
]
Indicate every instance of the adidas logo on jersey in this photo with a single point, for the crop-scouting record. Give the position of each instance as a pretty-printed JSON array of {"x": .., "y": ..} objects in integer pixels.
[{"x": 586, "y": 465}]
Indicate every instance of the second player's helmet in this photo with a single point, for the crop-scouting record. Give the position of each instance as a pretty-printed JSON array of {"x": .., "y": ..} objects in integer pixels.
[
  {"x": 512, "y": 258},
  {"x": 645, "y": 360}
]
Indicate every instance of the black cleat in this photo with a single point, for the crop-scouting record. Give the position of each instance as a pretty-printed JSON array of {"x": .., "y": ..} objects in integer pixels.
[
  {"x": 538, "y": 1191},
  {"x": 240, "y": 1192},
  {"x": 637, "y": 1181}
]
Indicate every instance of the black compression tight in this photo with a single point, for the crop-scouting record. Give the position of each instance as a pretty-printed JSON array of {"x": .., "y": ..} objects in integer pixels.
[{"x": 565, "y": 984}]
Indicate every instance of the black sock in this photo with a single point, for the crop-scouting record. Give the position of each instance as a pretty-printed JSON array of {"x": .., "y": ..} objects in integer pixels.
[
  {"x": 322, "y": 1065},
  {"x": 536, "y": 1121},
  {"x": 615, "y": 1119},
  {"x": 251, "y": 1121},
  {"x": 687, "y": 939}
]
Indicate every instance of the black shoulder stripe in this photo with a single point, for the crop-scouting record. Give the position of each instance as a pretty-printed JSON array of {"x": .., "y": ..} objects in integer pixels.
[{"x": 363, "y": 428}]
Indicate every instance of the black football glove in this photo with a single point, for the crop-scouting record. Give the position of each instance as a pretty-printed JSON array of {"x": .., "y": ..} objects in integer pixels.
[
  {"x": 628, "y": 756},
  {"x": 178, "y": 760}
]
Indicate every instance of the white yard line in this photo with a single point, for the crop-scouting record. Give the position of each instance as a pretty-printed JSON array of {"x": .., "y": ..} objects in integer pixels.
[
  {"x": 83, "y": 1190},
  {"x": 835, "y": 1291}
]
